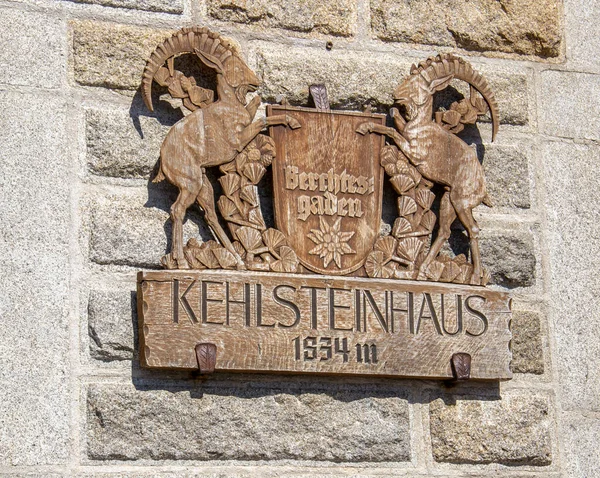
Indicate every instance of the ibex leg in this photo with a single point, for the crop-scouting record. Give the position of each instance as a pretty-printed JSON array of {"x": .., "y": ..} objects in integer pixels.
[
  {"x": 447, "y": 217},
  {"x": 465, "y": 214},
  {"x": 206, "y": 200},
  {"x": 251, "y": 131},
  {"x": 184, "y": 200},
  {"x": 400, "y": 141}
]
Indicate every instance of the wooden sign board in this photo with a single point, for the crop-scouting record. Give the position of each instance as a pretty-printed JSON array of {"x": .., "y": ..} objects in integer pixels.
[{"x": 322, "y": 324}]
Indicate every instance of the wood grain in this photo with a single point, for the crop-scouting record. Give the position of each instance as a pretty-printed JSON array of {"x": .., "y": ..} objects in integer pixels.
[
  {"x": 322, "y": 324},
  {"x": 328, "y": 187}
]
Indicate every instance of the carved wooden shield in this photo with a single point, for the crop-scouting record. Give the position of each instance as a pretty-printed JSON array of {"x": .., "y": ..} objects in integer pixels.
[{"x": 328, "y": 187}]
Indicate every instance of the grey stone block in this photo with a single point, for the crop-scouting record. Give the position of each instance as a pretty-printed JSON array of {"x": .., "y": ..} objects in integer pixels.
[
  {"x": 336, "y": 17},
  {"x": 354, "y": 79},
  {"x": 112, "y": 55},
  {"x": 134, "y": 229},
  {"x": 522, "y": 28},
  {"x": 242, "y": 423},
  {"x": 566, "y": 109},
  {"x": 507, "y": 175},
  {"x": 514, "y": 430},
  {"x": 124, "y": 144},
  {"x": 35, "y": 181},
  {"x": 582, "y": 41},
  {"x": 510, "y": 257},
  {"x": 33, "y": 49},
  {"x": 527, "y": 347},
  {"x": 581, "y": 437},
  {"x": 167, "y": 6},
  {"x": 572, "y": 202},
  {"x": 112, "y": 323}
]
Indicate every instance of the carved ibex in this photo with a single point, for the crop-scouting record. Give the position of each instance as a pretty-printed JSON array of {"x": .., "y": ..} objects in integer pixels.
[
  {"x": 209, "y": 136},
  {"x": 438, "y": 154}
]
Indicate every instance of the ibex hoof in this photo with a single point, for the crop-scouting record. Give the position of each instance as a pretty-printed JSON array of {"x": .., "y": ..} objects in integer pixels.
[
  {"x": 241, "y": 266},
  {"x": 364, "y": 128},
  {"x": 293, "y": 123},
  {"x": 475, "y": 279}
]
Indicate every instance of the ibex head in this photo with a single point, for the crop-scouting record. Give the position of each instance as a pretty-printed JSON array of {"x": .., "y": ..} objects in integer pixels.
[
  {"x": 435, "y": 74},
  {"x": 214, "y": 50}
]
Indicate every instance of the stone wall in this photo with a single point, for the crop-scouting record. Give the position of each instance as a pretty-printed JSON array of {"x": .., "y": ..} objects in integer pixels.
[{"x": 79, "y": 218}]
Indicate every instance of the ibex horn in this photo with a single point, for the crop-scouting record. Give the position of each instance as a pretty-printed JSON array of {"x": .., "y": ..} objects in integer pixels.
[
  {"x": 184, "y": 41},
  {"x": 448, "y": 64}
]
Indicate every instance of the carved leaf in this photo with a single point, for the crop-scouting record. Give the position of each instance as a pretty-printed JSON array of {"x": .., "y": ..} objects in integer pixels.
[
  {"x": 254, "y": 172},
  {"x": 288, "y": 261},
  {"x": 424, "y": 198},
  {"x": 230, "y": 183},
  {"x": 409, "y": 248},
  {"x": 239, "y": 249},
  {"x": 460, "y": 259},
  {"x": 250, "y": 238},
  {"x": 225, "y": 258},
  {"x": 240, "y": 161},
  {"x": 401, "y": 227},
  {"x": 435, "y": 270},
  {"x": 428, "y": 221},
  {"x": 255, "y": 217},
  {"x": 387, "y": 245},
  {"x": 451, "y": 117},
  {"x": 402, "y": 183},
  {"x": 274, "y": 239},
  {"x": 464, "y": 277},
  {"x": 451, "y": 270},
  {"x": 249, "y": 194},
  {"x": 375, "y": 265},
  {"x": 389, "y": 155},
  {"x": 406, "y": 206},
  {"x": 226, "y": 206},
  {"x": 207, "y": 258}
]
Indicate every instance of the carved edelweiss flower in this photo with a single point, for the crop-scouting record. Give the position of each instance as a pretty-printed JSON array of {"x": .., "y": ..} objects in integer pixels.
[{"x": 331, "y": 242}]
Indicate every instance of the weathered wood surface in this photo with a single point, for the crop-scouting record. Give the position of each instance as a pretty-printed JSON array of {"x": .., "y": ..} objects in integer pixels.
[
  {"x": 323, "y": 324},
  {"x": 328, "y": 187}
]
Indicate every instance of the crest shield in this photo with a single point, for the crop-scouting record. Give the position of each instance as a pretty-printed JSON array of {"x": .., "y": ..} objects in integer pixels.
[{"x": 328, "y": 187}]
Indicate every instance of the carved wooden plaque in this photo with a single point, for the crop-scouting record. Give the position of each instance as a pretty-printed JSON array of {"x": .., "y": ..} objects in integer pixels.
[
  {"x": 306, "y": 323},
  {"x": 327, "y": 182},
  {"x": 321, "y": 289}
]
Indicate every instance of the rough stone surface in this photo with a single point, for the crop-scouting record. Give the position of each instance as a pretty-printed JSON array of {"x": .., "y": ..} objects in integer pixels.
[
  {"x": 111, "y": 55},
  {"x": 35, "y": 181},
  {"x": 582, "y": 18},
  {"x": 510, "y": 257},
  {"x": 566, "y": 109},
  {"x": 112, "y": 320},
  {"x": 581, "y": 445},
  {"x": 530, "y": 28},
  {"x": 134, "y": 229},
  {"x": 354, "y": 79},
  {"x": 122, "y": 144},
  {"x": 33, "y": 49},
  {"x": 242, "y": 423},
  {"x": 514, "y": 430},
  {"x": 574, "y": 254},
  {"x": 336, "y": 17},
  {"x": 507, "y": 175},
  {"x": 527, "y": 347},
  {"x": 168, "y": 6}
]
